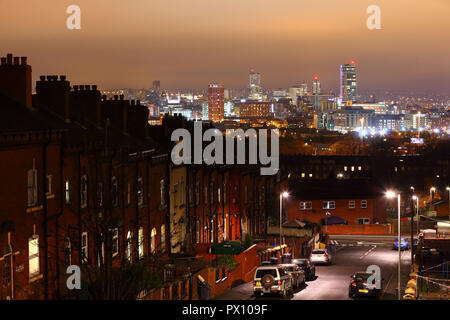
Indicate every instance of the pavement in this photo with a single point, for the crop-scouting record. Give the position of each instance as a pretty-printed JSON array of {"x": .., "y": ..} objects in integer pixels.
[{"x": 332, "y": 282}]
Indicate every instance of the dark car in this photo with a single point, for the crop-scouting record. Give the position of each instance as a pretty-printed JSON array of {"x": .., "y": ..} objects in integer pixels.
[
  {"x": 360, "y": 287},
  {"x": 307, "y": 266}
]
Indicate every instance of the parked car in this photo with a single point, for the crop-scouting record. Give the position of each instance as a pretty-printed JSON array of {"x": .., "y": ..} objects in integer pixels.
[
  {"x": 307, "y": 266},
  {"x": 404, "y": 244},
  {"x": 321, "y": 256},
  {"x": 297, "y": 275},
  {"x": 359, "y": 286},
  {"x": 271, "y": 279}
]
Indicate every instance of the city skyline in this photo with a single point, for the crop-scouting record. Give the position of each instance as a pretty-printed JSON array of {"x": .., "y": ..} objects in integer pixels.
[{"x": 130, "y": 45}]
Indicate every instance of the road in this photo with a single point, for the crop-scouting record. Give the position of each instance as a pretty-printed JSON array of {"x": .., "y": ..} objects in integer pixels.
[{"x": 353, "y": 254}]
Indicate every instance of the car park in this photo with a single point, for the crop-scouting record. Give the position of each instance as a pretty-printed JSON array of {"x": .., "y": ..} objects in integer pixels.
[
  {"x": 360, "y": 286},
  {"x": 271, "y": 279},
  {"x": 307, "y": 266},
  {"x": 321, "y": 256},
  {"x": 297, "y": 275}
]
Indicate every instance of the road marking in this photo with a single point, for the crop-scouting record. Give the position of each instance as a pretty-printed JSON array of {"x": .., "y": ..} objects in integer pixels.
[{"x": 365, "y": 254}]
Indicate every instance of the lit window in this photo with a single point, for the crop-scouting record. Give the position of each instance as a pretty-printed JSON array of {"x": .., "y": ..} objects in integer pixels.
[
  {"x": 115, "y": 242},
  {"x": 359, "y": 168},
  {"x": 306, "y": 205},
  {"x": 345, "y": 168},
  {"x": 48, "y": 185},
  {"x": 163, "y": 238},
  {"x": 351, "y": 204},
  {"x": 353, "y": 168},
  {"x": 84, "y": 247},
  {"x": 141, "y": 242},
  {"x": 328, "y": 205},
  {"x": 140, "y": 191},
  {"x": 115, "y": 191},
  {"x": 33, "y": 256},
  {"x": 129, "y": 236},
  {"x": 68, "y": 191},
  {"x": 197, "y": 231},
  {"x": 153, "y": 240},
  {"x": 212, "y": 231},
  {"x": 162, "y": 193},
  {"x": 363, "y": 204}
]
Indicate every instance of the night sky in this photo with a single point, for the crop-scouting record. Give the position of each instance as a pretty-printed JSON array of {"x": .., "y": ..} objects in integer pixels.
[{"x": 190, "y": 43}]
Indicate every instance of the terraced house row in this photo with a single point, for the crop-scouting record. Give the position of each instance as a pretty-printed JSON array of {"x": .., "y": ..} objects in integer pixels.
[{"x": 86, "y": 181}]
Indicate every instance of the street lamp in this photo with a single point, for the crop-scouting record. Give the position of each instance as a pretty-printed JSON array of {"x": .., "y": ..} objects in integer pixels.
[
  {"x": 417, "y": 212},
  {"x": 448, "y": 189},
  {"x": 326, "y": 221},
  {"x": 282, "y": 195},
  {"x": 391, "y": 195},
  {"x": 432, "y": 189}
]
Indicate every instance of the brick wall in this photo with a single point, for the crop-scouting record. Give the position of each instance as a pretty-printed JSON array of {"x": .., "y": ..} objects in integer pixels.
[{"x": 360, "y": 229}]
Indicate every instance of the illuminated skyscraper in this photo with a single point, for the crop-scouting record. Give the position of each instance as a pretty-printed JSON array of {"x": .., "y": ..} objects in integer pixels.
[
  {"x": 215, "y": 102},
  {"x": 316, "y": 86},
  {"x": 255, "y": 85},
  {"x": 348, "y": 83}
]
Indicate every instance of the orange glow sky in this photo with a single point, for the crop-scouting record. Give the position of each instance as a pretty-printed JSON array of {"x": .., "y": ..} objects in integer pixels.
[{"x": 190, "y": 43}]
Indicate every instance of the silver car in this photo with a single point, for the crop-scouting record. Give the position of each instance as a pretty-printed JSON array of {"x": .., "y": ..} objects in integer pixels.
[
  {"x": 321, "y": 256},
  {"x": 272, "y": 279},
  {"x": 298, "y": 276}
]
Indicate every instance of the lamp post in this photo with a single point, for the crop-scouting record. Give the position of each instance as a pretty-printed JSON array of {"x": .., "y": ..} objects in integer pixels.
[
  {"x": 391, "y": 195},
  {"x": 432, "y": 189},
  {"x": 326, "y": 222},
  {"x": 417, "y": 212},
  {"x": 448, "y": 189},
  {"x": 285, "y": 195}
]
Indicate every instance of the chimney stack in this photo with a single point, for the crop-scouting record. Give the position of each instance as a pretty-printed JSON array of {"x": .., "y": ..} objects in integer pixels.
[{"x": 15, "y": 79}]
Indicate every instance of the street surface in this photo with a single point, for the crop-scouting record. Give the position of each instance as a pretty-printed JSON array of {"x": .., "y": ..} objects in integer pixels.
[{"x": 354, "y": 253}]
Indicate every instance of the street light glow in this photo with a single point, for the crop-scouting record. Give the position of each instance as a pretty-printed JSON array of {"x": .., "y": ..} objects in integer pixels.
[
  {"x": 285, "y": 194},
  {"x": 390, "y": 194}
]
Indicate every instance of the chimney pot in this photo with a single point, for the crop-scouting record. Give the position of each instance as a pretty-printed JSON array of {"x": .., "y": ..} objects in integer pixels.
[
  {"x": 94, "y": 87},
  {"x": 3, "y": 61},
  {"x": 75, "y": 88},
  {"x": 9, "y": 58},
  {"x": 138, "y": 102},
  {"x": 121, "y": 97},
  {"x": 62, "y": 78},
  {"x": 81, "y": 87},
  {"x": 132, "y": 102},
  {"x": 104, "y": 97},
  {"x": 42, "y": 78},
  {"x": 23, "y": 60},
  {"x": 87, "y": 87},
  {"x": 116, "y": 97},
  {"x": 16, "y": 60}
]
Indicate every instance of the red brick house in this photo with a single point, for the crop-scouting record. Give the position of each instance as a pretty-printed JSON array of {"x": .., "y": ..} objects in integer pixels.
[{"x": 355, "y": 201}]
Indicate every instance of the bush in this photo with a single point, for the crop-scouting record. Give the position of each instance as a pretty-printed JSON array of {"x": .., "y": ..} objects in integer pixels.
[
  {"x": 226, "y": 261},
  {"x": 248, "y": 242}
]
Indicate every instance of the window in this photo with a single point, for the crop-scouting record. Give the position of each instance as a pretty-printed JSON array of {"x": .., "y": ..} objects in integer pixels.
[
  {"x": 7, "y": 269},
  {"x": 218, "y": 195},
  {"x": 100, "y": 194},
  {"x": 153, "y": 238},
  {"x": 163, "y": 238},
  {"x": 197, "y": 231},
  {"x": 212, "y": 231},
  {"x": 114, "y": 192},
  {"x": 225, "y": 192},
  {"x": 345, "y": 168},
  {"x": 353, "y": 168},
  {"x": 83, "y": 191},
  {"x": 140, "y": 192},
  {"x": 84, "y": 247},
  {"x": 328, "y": 205},
  {"x": 363, "y": 221},
  {"x": 141, "y": 242},
  {"x": 128, "y": 194},
  {"x": 162, "y": 193},
  {"x": 359, "y": 168},
  {"x": 307, "y": 205},
  {"x": 364, "y": 204},
  {"x": 48, "y": 185},
  {"x": 33, "y": 256},
  {"x": 205, "y": 194},
  {"x": 245, "y": 194},
  {"x": 225, "y": 228},
  {"x": 68, "y": 191},
  {"x": 115, "y": 242},
  {"x": 128, "y": 253},
  {"x": 351, "y": 204},
  {"x": 32, "y": 188},
  {"x": 197, "y": 193},
  {"x": 67, "y": 252}
]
